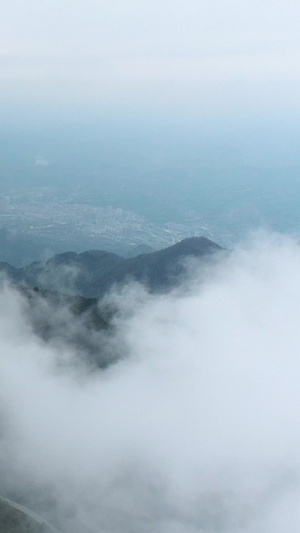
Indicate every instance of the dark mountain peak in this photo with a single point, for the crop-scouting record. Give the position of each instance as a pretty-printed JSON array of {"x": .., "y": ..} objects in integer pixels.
[
  {"x": 162, "y": 269},
  {"x": 191, "y": 246},
  {"x": 198, "y": 243},
  {"x": 96, "y": 271},
  {"x": 63, "y": 258},
  {"x": 139, "y": 249}
]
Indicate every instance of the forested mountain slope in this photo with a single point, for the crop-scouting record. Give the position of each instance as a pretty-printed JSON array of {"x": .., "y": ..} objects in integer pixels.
[{"x": 93, "y": 273}]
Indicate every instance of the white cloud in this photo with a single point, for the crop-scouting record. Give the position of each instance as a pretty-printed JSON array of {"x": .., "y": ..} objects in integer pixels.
[{"x": 197, "y": 427}]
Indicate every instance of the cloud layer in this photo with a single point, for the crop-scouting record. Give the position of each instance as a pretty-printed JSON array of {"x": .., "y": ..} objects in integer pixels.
[{"x": 196, "y": 428}]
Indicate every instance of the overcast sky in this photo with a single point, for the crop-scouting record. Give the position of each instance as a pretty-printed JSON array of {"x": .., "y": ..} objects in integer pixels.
[{"x": 181, "y": 56}]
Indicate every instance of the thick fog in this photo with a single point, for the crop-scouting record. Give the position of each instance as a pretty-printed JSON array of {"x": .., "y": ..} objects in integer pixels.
[{"x": 195, "y": 428}]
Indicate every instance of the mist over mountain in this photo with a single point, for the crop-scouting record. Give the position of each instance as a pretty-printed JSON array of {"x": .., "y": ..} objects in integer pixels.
[
  {"x": 80, "y": 324},
  {"x": 92, "y": 274},
  {"x": 194, "y": 427}
]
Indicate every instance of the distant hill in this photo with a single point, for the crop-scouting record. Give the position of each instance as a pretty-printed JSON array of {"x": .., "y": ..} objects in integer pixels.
[
  {"x": 139, "y": 249},
  {"x": 159, "y": 270},
  {"x": 93, "y": 273}
]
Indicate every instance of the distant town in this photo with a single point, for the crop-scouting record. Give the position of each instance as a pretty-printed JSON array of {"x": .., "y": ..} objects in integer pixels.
[{"x": 48, "y": 214}]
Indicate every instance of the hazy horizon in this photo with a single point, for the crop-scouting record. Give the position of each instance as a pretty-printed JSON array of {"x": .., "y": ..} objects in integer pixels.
[
  {"x": 216, "y": 66},
  {"x": 177, "y": 101}
]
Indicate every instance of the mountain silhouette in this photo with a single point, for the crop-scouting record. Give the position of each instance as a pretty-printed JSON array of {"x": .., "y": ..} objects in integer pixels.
[{"x": 93, "y": 273}]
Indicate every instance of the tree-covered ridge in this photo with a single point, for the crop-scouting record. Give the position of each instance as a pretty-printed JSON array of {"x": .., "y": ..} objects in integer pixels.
[
  {"x": 93, "y": 273},
  {"x": 81, "y": 325}
]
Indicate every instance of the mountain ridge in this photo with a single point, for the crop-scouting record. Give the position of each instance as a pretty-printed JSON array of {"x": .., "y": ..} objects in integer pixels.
[{"x": 94, "y": 272}]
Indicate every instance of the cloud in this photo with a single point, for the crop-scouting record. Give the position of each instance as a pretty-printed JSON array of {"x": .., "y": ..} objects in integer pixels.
[{"x": 196, "y": 428}]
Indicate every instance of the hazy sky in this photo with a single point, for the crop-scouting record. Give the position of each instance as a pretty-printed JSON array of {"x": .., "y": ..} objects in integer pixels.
[{"x": 211, "y": 57}]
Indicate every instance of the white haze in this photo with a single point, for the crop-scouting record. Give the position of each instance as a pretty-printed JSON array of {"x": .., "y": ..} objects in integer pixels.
[{"x": 195, "y": 429}]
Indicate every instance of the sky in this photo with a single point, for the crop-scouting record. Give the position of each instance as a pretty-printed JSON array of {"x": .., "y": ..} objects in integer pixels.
[
  {"x": 216, "y": 59},
  {"x": 196, "y": 425}
]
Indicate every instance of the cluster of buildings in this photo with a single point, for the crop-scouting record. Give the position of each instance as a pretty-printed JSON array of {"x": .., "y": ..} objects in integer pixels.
[{"x": 43, "y": 214}]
